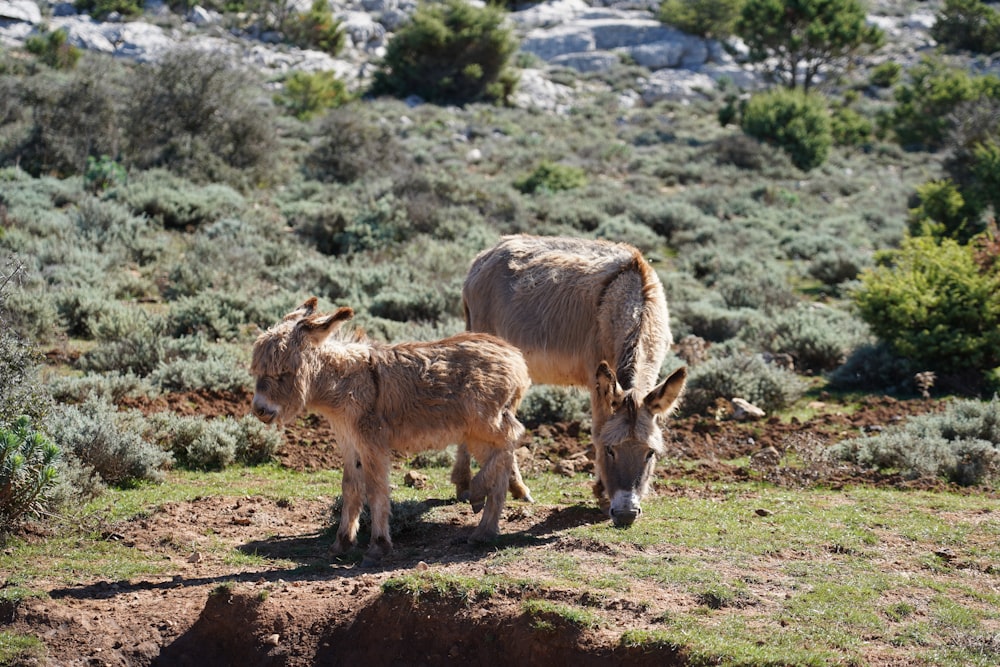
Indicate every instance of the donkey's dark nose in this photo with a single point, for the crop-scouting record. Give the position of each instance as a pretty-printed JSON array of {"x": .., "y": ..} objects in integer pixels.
[
  {"x": 263, "y": 412},
  {"x": 625, "y": 518}
]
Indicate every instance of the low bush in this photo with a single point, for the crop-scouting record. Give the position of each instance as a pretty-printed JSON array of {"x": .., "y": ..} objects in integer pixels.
[
  {"x": 875, "y": 367},
  {"x": 108, "y": 442},
  {"x": 28, "y": 473},
  {"x": 214, "y": 444},
  {"x": 922, "y": 116},
  {"x": 177, "y": 203},
  {"x": 129, "y": 339},
  {"x": 550, "y": 405},
  {"x": 316, "y": 29},
  {"x": 744, "y": 376},
  {"x": 817, "y": 338},
  {"x": 198, "y": 114},
  {"x": 102, "y": 9},
  {"x": 189, "y": 364},
  {"x": 961, "y": 445}
]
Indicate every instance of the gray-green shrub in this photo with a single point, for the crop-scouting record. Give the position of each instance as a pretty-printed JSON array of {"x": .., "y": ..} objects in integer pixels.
[
  {"x": 107, "y": 441},
  {"x": 351, "y": 145},
  {"x": 741, "y": 375},
  {"x": 551, "y": 404},
  {"x": 214, "y": 444},
  {"x": 962, "y": 444},
  {"x": 875, "y": 367},
  {"x": 818, "y": 338},
  {"x": 129, "y": 339},
  {"x": 176, "y": 202}
]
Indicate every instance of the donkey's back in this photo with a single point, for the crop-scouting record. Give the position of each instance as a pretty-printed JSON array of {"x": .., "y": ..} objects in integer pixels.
[{"x": 568, "y": 304}]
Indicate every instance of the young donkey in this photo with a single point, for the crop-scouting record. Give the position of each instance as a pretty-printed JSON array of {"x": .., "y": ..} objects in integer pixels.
[
  {"x": 590, "y": 314},
  {"x": 407, "y": 397}
]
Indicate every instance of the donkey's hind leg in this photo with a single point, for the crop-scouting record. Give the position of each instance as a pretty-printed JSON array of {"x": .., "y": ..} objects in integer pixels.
[{"x": 489, "y": 490}]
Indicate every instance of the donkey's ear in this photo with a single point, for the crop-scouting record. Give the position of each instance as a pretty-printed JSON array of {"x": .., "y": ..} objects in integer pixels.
[
  {"x": 608, "y": 389},
  {"x": 319, "y": 327},
  {"x": 305, "y": 310},
  {"x": 664, "y": 397}
]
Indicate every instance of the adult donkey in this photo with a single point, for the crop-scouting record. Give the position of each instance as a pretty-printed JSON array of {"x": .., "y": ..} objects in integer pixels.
[{"x": 589, "y": 314}]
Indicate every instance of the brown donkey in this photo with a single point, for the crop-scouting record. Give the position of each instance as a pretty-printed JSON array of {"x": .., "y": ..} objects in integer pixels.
[
  {"x": 407, "y": 397},
  {"x": 590, "y": 314}
]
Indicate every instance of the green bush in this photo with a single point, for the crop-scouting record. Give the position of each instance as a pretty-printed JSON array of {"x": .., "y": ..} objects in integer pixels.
[
  {"x": 27, "y": 473},
  {"x": 551, "y": 177},
  {"x": 315, "y": 29},
  {"x": 967, "y": 25},
  {"x": 450, "y": 52},
  {"x": 849, "y": 128},
  {"x": 129, "y": 339},
  {"x": 177, "y": 203},
  {"x": 962, "y": 445},
  {"x": 111, "y": 387},
  {"x": 52, "y": 49},
  {"x": 796, "y": 122},
  {"x": 713, "y": 19},
  {"x": 108, "y": 442},
  {"x": 21, "y": 389},
  {"x": 413, "y": 303},
  {"x": 933, "y": 304},
  {"x": 744, "y": 376},
  {"x": 305, "y": 94}
]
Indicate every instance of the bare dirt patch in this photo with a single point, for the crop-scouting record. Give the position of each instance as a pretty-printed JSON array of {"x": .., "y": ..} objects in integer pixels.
[{"x": 206, "y": 611}]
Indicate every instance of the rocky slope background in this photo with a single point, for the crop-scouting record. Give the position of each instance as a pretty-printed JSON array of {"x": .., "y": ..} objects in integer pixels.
[{"x": 555, "y": 36}]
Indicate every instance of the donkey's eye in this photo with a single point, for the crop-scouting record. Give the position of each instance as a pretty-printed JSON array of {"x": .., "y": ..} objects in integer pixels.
[
  {"x": 609, "y": 452},
  {"x": 650, "y": 454}
]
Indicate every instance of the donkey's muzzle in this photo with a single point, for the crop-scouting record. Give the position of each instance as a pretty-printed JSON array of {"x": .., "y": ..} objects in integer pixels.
[
  {"x": 263, "y": 412},
  {"x": 625, "y": 518}
]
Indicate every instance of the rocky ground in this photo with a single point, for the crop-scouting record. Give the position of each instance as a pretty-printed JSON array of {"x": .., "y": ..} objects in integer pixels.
[{"x": 333, "y": 614}]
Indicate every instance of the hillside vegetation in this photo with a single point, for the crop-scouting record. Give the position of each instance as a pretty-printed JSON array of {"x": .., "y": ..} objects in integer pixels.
[{"x": 829, "y": 240}]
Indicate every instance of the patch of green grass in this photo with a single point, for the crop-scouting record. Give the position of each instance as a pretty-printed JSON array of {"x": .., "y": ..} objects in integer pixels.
[
  {"x": 446, "y": 585},
  {"x": 548, "y": 613},
  {"x": 18, "y": 649}
]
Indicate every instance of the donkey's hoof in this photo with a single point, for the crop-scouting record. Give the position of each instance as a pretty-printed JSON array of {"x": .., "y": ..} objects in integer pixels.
[
  {"x": 480, "y": 536},
  {"x": 478, "y": 506}
]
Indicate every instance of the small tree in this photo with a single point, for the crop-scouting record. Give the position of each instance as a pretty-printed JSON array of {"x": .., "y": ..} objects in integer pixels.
[
  {"x": 53, "y": 49},
  {"x": 450, "y": 52},
  {"x": 715, "y": 19},
  {"x": 797, "y": 39}
]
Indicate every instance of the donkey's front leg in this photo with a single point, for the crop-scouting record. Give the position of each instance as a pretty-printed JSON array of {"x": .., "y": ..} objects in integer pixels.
[{"x": 377, "y": 484}]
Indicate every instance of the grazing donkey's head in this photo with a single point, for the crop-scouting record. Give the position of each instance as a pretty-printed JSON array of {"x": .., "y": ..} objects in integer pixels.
[
  {"x": 282, "y": 364},
  {"x": 631, "y": 439}
]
